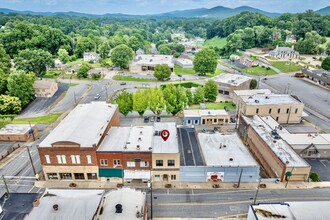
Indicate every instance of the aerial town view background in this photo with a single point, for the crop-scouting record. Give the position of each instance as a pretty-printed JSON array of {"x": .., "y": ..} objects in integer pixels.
[{"x": 141, "y": 109}]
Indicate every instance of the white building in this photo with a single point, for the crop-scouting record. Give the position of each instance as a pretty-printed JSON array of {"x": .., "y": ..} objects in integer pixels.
[
  {"x": 91, "y": 57},
  {"x": 184, "y": 63},
  {"x": 227, "y": 83},
  {"x": 146, "y": 63},
  {"x": 284, "y": 53}
]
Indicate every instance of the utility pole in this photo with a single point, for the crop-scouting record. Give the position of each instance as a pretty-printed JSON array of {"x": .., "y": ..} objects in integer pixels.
[
  {"x": 255, "y": 197},
  {"x": 288, "y": 174},
  {"x": 4, "y": 180},
  {"x": 237, "y": 116},
  {"x": 239, "y": 179},
  {"x": 28, "y": 150},
  {"x": 32, "y": 131}
]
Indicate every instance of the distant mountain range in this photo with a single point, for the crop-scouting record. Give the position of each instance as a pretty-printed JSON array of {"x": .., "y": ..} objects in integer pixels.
[{"x": 218, "y": 12}]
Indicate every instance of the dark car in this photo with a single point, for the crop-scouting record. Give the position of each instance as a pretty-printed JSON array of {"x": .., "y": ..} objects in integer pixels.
[
  {"x": 158, "y": 119},
  {"x": 179, "y": 75},
  {"x": 232, "y": 120},
  {"x": 123, "y": 83},
  {"x": 146, "y": 119}
]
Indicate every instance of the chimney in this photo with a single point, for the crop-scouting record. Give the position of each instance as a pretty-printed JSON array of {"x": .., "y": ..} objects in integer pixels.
[{"x": 36, "y": 203}]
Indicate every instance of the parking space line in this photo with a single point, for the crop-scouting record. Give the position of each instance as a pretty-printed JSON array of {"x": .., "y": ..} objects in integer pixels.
[
  {"x": 192, "y": 151},
  {"x": 183, "y": 154}
]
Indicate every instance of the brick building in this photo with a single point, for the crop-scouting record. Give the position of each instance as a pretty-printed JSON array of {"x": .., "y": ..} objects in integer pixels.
[{"x": 69, "y": 151}]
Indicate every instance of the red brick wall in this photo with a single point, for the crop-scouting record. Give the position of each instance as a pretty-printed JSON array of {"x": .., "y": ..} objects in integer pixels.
[{"x": 110, "y": 156}]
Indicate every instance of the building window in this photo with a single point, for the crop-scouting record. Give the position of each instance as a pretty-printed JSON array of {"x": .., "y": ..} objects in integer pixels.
[
  {"x": 157, "y": 177},
  {"x": 59, "y": 159},
  {"x": 188, "y": 122},
  {"x": 73, "y": 159},
  {"x": 92, "y": 176},
  {"x": 270, "y": 111},
  {"x": 276, "y": 118},
  {"x": 63, "y": 159},
  {"x": 287, "y": 111},
  {"x": 296, "y": 111},
  {"x": 278, "y": 110},
  {"x": 130, "y": 164},
  {"x": 79, "y": 176},
  {"x": 47, "y": 159},
  {"x": 78, "y": 159},
  {"x": 116, "y": 162},
  {"x": 89, "y": 159},
  {"x": 104, "y": 162},
  {"x": 66, "y": 176},
  {"x": 257, "y": 111},
  {"x": 173, "y": 177},
  {"x": 214, "y": 120},
  {"x": 52, "y": 176},
  {"x": 196, "y": 122},
  {"x": 144, "y": 164},
  {"x": 159, "y": 163},
  {"x": 170, "y": 163},
  {"x": 203, "y": 122}
]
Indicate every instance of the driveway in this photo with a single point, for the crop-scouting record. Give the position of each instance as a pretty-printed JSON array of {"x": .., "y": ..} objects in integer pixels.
[{"x": 40, "y": 106}]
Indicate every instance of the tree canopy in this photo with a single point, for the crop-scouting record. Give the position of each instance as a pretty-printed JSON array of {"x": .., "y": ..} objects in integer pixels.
[
  {"x": 175, "y": 98},
  {"x": 326, "y": 64},
  {"x": 205, "y": 61},
  {"x": 125, "y": 102},
  {"x": 210, "y": 91},
  {"x": 162, "y": 71},
  {"x": 121, "y": 56}
]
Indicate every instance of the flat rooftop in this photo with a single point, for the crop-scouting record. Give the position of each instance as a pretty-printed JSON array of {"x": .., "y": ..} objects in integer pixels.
[
  {"x": 132, "y": 201},
  {"x": 152, "y": 60},
  {"x": 83, "y": 125},
  {"x": 15, "y": 129},
  {"x": 72, "y": 204},
  {"x": 115, "y": 140},
  {"x": 171, "y": 145},
  {"x": 279, "y": 147},
  {"x": 184, "y": 61},
  {"x": 271, "y": 99},
  {"x": 225, "y": 150},
  {"x": 292, "y": 210},
  {"x": 299, "y": 141},
  {"x": 140, "y": 139},
  {"x": 252, "y": 92},
  {"x": 204, "y": 112},
  {"x": 231, "y": 79}
]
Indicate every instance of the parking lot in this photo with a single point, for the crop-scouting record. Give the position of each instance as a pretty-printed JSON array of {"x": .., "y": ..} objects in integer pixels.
[
  {"x": 321, "y": 166},
  {"x": 190, "y": 154}
]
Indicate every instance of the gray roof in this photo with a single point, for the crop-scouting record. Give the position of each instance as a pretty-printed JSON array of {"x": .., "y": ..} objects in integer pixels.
[
  {"x": 169, "y": 146},
  {"x": 269, "y": 99},
  {"x": 115, "y": 140},
  {"x": 83, "y": 125},
  {"x": 225, "y": 150},
  {"x": 72, "y": 204},
  {"x": 15, "y": 129},
  {"x": 231, "y": 79}
]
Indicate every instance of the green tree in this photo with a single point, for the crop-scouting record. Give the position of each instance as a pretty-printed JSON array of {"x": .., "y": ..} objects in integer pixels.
[
  {"x": 162, "y": 71},
  {"x": 235, "y": 41},
  {"x": 190, "y": 96},
  {"x": 140, "y": 101},
  {"x": 84, "y": 44},
  {"x": 35, "y": 61},
  {"x": 4, "y": 61},
  {"x": 205, "y": 61},
  {"x": 210, "y": 91},
  {"x": 253, "y": 84},
  {"x": 326, "y": 63},
  {"x": 104, "y": 50},
  {"x": 63, "y": 55},
  {"x": 121, "y": 55},
  {"x": 175, "y": 98},
  {"x": 125, "y": 102},
  {"x": 20, "y": 85},
  {"x": 315, "y": 177},
  {"x": 310, "y": 44},
  {"x": 156, "y": 100},
  {"x": 3, "y": 82},
  {"x": 9, "y": 105},
  {"x": 327, "y": 49},
  {"x": 199, "y": 95},
  {"x": 83, "y": 71},
  {"x": 135, "y": 43},
  {"x": 165, "y": 50}
]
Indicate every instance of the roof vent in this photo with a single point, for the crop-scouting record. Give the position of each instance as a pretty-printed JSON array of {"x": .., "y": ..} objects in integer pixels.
[
  {"x": 150, "y": 148},
  {"x": 36, "y": 203},
  {"x": 256, "y": 101},
  {"x": 287, "y": 162},
  {"x": 138, "y": 147},
  {"x": 141, "y": 132},
  {"x": 125, "y": 148},
  {"x": 55, "y": 207},
  {"x": 209, "y": 113},
  {"x": 224, "y": 145},
  {"x": 250, "y": 97},
  {"x": 267, "y": 97},
  {"x": 231, "y": 159},
  {"x": 119, "y": 208},
  {"x": 139, "y": 139}
]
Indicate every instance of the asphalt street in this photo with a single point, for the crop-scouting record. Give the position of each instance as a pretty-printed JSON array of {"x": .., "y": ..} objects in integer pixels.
[{"x": 214, "y": 203}]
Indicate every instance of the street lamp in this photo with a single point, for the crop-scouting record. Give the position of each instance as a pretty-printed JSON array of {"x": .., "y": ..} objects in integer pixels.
[{"x": 255, "y": 197}]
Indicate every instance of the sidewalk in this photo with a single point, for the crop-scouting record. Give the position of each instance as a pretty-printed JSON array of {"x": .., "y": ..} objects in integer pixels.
[{"x": 6, "y": 160}]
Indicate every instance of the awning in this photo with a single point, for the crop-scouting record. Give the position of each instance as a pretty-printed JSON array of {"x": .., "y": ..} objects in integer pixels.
[
  {"x": 110, "y": 172},
  {"x": 137, "y": 174}
]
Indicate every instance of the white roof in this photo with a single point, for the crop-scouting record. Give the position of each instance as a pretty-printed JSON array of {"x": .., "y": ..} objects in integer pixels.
[
  {"x": 140, "y": 139},
  {"x": 132, "y": 201},
  {"x": 232, "y": 152},
  {"x": 115, "y": 140},
  {"x": 231, "y": 79},
  {"x": 184, "y": 61},
  {"x": 270, "y": 99},
  {"x": 293, "y": 210},
  {"x": 83, "y": 125},
  {"x": 72, "y": 204},
  {"x": 169, "y": 146},
  {"x": 145, "y": 59},
  {"x": 303, "y": 140},
  {"x": 204, "y": 112},
  {"x": 252, "y": 92},
  {"x": 279, "y": 147},
  {"x": 15, "y": 129}
]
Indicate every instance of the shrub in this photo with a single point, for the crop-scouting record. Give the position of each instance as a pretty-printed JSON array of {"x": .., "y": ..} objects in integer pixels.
[{"x": 315, "y": 177}]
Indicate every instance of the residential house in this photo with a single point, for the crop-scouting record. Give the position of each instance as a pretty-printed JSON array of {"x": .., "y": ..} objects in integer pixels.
[
  {"x": 284, "y": 53},
  {"x": 91, "y": 57},
  {"x": 247, "y": 61},
  {"x": 69, "y": 151},
  {"x": 45, "y": 88}
]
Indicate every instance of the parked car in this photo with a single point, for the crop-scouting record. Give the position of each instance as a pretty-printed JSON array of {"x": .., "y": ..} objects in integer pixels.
[
  {"x": 146, "y": 119},
  {"x": 97, "y": 96},
  {"x": 123, "y": 83},
  {"x": 299, "y": 75},
  {"x": 232, "y": 120},
  {"x": 152, "y": 119},
  {"x": 167, "y": 79},
  {"x": 179, "y": 75},
  {"x": 158, "y": 119}
]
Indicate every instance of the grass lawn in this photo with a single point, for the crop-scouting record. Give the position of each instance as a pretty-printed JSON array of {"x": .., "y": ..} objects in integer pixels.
[
  {"x": 286, "y": 66},
  {"x": 216, "y": 42},
  {"x": 52, "y": 74},
  {"x": 216, "y": 105},
  {"x": 258, "y": 71},
  {"x": 133, "y": 79},
  {"x": 189, "y": 71},
  {"x": 48, "y": 119},
  {"x": 72, "y": 84}
]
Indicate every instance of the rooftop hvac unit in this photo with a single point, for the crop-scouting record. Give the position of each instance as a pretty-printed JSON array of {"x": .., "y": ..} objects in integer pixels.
[
  {"x": 119, "y": 208},
  {"x": 256, "y": 101},
  {"x": 231, "y": 159}
]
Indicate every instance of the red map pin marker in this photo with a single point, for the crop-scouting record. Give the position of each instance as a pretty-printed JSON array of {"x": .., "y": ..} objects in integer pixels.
[{"x": 165, "y": 134}]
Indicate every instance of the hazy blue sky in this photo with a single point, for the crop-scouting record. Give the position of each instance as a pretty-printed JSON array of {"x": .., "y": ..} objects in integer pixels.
[{"x": 157, "y": 6}]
